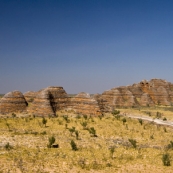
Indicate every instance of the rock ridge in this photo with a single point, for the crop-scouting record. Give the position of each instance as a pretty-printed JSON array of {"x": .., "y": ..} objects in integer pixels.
[{"x": 50, "y": 100}]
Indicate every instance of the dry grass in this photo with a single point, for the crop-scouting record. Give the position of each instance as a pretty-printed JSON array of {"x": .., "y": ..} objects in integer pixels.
[{"x": 28, "y": 138}]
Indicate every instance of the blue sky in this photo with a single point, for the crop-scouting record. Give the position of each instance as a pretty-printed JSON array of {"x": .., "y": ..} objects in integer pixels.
[{"x": 89, "y": 46}]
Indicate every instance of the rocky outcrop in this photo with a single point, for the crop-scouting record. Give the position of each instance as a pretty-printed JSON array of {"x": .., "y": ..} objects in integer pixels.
[
  {"x": 83, "y": 103},
  {"x": 145, "y": 93},
  {"x": 48, "y": 101},
  {"x": 30, "y": 96},
  {"x": 13, "y": 102},
  {"x": 158, "y": 90}
]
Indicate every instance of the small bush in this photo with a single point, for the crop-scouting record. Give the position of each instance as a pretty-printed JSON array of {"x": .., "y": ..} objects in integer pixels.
[
  {"x": 158, "y": 115},
  {"x": 8, "y": 146},
  {"x": 170, "y": 146},
  {"x": 78, "y": 116},
  {"x": 115, "y": 112},
  {"x": 166, "y": 159},
  {"x": 164, "y": 119},
  {"x": 164, "y": 128},
  {"x": 152, "y": 136},
  {"x": 51, "y": 141},
  {"x": 85, "y": 117},
  {"x": 84, "y": 124},
  {"x": 117, "y": 117},
  {"x": 73, "y": 145},
  {"x": 92, "y": 131},
  {"x": 71, "y": 130},
  {"x": 112, "y": 150},
  {"x": 65, "y": 117},
  {"x": 44, "y": 121},
  {"x": 13, "y": 115},
  {"x": 140, "y": 121},
  {"x": 43, "y": 133},
  {"x": 124, "y": 120},
  {"x": 77, "y": 134},
  {"x": 133, "y": 142}
]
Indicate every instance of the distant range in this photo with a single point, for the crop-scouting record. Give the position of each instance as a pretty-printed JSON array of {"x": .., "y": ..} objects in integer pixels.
[{"x": 50, "y": 100}]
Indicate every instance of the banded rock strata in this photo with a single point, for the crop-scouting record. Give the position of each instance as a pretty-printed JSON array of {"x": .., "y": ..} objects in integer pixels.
[
  {"x": 49, "y": 100},
  {"x": 13, "y": 102},
  {"x": 145, "y": 93}
]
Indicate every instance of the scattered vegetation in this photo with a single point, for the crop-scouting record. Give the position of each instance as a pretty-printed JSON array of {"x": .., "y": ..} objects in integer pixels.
[{"x": 98, "y": 144}]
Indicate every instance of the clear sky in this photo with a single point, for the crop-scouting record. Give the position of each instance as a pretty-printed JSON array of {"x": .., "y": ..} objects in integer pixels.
[{"x": 90, "y": 45}]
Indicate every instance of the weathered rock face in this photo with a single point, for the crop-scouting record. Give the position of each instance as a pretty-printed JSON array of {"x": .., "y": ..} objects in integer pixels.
[
  {"x": 145, "y": 93},
  {"x": 13, "y": 102},
  {"x": 48, "y": 101},
  {"x": 30, "y": 96},
  {"x": 158, "y": 90},
  {"x": 121, "y": 96},
  {"x": 84, "y": 104}
]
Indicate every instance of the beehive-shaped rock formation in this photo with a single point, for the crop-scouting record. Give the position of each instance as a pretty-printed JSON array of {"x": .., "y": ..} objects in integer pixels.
[
  {"x": 48, "y": 101},
  {"x": 13, "y": 102},
  {"x": 83, "y": 103},
  {"x": 30, "y": 96}
]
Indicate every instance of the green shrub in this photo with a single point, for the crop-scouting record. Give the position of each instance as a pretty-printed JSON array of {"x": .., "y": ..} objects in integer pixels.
[
  {"x": 43, "y": 133},
  {"x": 164, "y": 119},
  {"x": 65, "y": 117},
  {"x": 133, "y": 142},
  {"x": 44, "y": 121},
  {"x": 158, "y": 115},
  {"x": 92, "y": 131},
  {"x": 51, "y": 141},
  {"x": 112, "y": 150},
  {"x": 78, "y": 116},
  {"x": 13, "y": 115},
  {"x": 140, "y": 121},
  {"x": 73, "y": 145},
  {"x": 71, "y": 130},
  {"x": 85, "y": 117},
  {"x": 124, "y": 120},
  {"x": 115, "y": 112},
  {"x": 84, "y": 124},
  {"x": 8, "y": 146},
  {"x": 170, "y": 146},
  {"x": 166, "y": 159},
  {"x": 77, "y": 134}
]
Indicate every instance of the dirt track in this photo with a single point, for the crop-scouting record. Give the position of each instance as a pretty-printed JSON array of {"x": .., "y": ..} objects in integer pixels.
[{"x": 156, "y": 121}]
